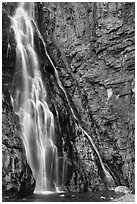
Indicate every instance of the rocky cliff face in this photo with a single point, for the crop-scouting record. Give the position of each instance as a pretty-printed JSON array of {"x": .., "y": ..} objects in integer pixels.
[{"x": 92, "y": 47}]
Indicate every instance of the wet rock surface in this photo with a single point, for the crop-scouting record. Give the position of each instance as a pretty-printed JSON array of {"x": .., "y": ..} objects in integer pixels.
[{"x": 92, "y": 47}]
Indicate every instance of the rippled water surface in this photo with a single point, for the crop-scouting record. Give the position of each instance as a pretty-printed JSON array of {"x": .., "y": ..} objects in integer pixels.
[{"x": 103, "y": 196}]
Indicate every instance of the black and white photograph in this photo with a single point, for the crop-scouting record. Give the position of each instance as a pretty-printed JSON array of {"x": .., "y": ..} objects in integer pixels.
[{"x": 68, "y": 101}]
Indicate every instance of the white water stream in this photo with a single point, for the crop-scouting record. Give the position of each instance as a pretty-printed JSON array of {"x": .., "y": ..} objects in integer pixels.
[{"x": 30, "y": 104}]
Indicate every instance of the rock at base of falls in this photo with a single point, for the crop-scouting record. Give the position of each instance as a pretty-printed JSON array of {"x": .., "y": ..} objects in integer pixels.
[{"x": 122, "y": 189}]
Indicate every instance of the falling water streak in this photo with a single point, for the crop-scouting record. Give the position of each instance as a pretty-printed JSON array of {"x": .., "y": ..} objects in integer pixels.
[
  {"x": 107, "y": 174},
  {"x": 56, "y": 73},
  {"x": 8, "y": 50},
  {"x": 30, "y": 104},
  {"x": 64, "y": 167},
  {"x": 13, "y": 166}
]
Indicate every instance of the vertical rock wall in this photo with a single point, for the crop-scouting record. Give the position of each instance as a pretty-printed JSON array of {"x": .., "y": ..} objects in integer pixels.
[{"x": 93, "y": 47}]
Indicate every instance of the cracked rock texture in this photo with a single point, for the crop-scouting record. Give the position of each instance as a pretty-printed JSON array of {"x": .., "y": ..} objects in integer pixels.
[{"x": 93, "y": 48}]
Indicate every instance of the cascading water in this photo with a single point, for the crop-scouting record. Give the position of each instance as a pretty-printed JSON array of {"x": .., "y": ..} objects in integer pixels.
[{"x": 30, "y": 104}]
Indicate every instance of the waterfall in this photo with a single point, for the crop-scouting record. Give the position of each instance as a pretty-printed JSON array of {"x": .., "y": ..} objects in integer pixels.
[{"x": 36, "y": 119}]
